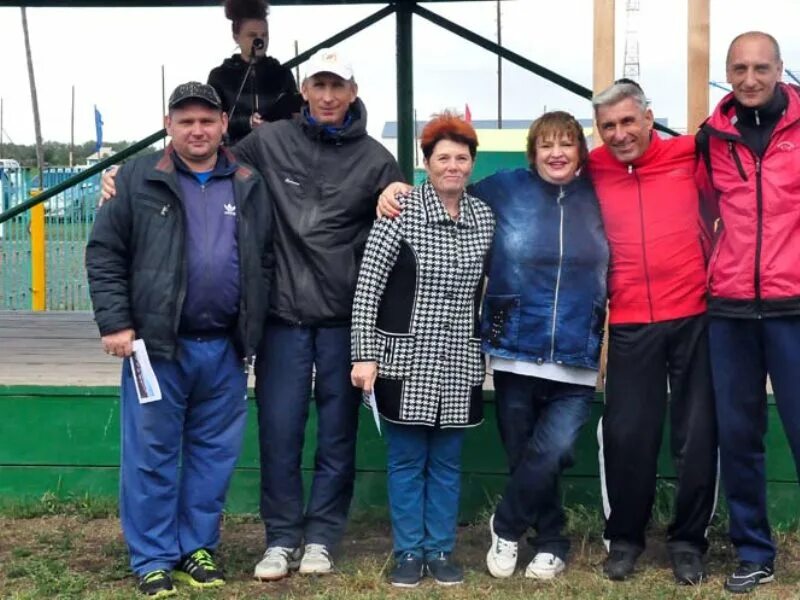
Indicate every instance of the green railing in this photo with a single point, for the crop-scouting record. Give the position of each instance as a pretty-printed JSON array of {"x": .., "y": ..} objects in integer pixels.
[{"x": 70, "y": 207}]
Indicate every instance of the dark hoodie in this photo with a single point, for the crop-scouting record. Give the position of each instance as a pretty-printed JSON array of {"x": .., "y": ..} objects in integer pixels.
[
  {"x": 324, "y": 183},
  {"x": 269, "y": 82}
]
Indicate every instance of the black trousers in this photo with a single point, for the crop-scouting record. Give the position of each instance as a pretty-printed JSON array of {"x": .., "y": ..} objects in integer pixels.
[{"x": 642, "y": 359}]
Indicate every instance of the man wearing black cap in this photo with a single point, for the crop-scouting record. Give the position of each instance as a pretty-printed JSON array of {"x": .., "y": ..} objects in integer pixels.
[{"x": 182, "y": 260}]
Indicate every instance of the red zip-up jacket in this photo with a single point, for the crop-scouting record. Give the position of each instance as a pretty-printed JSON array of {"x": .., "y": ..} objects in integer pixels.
[
  {"x": 755, "y": 267},
  {"x": 657, "y": 239}
]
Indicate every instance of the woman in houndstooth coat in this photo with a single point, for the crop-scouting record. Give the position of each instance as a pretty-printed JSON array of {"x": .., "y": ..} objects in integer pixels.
[{"x": 415, "y": 341}]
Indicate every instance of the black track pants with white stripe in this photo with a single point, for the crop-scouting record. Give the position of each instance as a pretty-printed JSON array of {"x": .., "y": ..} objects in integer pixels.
[{"x": 641, "y": 360}]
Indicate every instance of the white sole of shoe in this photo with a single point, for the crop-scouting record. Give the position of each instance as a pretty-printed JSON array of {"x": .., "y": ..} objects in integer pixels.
[
  {"x": 496, "y": 571},
  {"x": 542, "y": 576},
  {"x": 293, "y": 566},
  {"x": 447, "y": 583},
  {"x": 314, "y": 570},
  {"x": 268, "y": 578},
  {"x": 404, "y": 585}
]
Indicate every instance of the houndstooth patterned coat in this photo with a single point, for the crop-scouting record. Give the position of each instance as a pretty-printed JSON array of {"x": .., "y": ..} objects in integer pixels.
[{"x": 416, "y": 310}]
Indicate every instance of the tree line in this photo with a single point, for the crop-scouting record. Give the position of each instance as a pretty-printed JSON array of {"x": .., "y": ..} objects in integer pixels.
[{"x": 56, "y": 154}]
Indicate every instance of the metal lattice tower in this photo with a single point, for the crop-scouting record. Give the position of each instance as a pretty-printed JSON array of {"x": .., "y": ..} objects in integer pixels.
[{"x": 631, "y": 64}]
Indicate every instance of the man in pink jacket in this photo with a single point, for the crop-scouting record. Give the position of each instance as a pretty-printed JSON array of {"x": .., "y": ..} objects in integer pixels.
[{"x": 751, "y": 168}]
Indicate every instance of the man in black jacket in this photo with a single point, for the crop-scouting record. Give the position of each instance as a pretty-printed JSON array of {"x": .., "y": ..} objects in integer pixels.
[
  {"x": 182, "y": 260},
  {"x": 325, "y": 174}
]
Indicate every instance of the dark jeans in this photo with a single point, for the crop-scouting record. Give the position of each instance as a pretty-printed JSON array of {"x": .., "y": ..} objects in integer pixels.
[
  {"x": 539, "y": 421},
  {"x": 283, "y": 391},
  {"x": 642, "y": 359},
  {"x": 743, "y": 352}
]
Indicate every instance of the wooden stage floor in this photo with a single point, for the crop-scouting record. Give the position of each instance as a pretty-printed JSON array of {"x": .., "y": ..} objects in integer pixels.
[{"x": 54, "y": 349}]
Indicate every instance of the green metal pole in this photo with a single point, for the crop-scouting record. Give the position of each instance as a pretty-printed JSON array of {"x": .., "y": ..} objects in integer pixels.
[{"x": 405, "y": 92}]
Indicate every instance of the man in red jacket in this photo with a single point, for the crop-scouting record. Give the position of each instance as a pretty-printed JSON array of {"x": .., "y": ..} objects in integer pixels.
[
  {"x": 751, "y": 147},
  {"x": 657, "y": 335}
]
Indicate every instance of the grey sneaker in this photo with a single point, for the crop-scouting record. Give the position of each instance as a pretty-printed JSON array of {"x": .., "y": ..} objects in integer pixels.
[
  {"x": 316, "y": 560},
  {"x": 276, "y": 563}
]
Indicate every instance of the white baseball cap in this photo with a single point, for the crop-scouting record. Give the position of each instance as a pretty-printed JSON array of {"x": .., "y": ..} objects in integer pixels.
[{"x": 329, "y": 61}]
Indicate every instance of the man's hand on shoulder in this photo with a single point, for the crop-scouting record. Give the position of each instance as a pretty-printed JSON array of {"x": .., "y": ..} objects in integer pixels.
[
  {"x": 108, "y": 188},
  {"x": 119, "y": 343},
  {"x": 388, "y": 204}
]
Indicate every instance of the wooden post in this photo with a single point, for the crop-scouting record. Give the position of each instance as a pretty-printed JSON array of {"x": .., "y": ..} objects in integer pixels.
[
  {"x": 603, "y": 71},
  {"x": 602, "y": 77},
  {"x": 698, "y": 64}
]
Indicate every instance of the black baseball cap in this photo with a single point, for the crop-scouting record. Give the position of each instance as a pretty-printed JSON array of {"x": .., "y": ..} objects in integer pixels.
[{"x": 194, "y": 90}]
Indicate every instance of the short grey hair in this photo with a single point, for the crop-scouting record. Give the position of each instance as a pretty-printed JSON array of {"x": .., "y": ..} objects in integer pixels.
[{"x": 619, "y": 91}]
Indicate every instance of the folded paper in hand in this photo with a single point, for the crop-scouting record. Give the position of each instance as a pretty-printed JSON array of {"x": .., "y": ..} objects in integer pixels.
[
  {"x": 144, "y": 379},
  {"x": 373, "y": 405}
]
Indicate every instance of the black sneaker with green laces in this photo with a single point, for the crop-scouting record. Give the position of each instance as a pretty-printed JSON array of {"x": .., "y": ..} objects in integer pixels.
[
  {"x": 156, "y": 584},
  {"x": 198, "y": 569}
]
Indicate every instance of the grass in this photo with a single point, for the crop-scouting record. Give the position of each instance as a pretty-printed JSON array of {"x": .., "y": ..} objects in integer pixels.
[
  {"x": 84, "y": 507},
  {"x": 72, "y": 548}
]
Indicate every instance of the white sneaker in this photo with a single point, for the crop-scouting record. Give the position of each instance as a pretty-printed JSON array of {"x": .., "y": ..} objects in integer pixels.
[
  {"x": 544, "y": 566},
  {"x": 316, "y": 560},
  {"x": 276, "y": 563},
  {"x": 501, "y": 560}
]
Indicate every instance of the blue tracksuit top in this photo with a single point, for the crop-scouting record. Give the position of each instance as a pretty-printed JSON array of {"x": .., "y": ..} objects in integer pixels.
[
  {"x": 546, "y": 296},
  {"x": 213, "y": 283}
]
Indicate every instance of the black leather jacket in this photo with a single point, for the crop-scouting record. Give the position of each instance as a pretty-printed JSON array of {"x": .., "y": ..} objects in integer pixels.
[{"x": 270, "y": 85}]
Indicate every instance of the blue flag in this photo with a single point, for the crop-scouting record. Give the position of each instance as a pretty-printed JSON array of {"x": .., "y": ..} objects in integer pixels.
[{"x": 98, "y": 126}]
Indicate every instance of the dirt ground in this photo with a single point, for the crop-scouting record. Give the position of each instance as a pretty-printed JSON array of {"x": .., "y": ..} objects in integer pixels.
[{"x": 69, "y": 556}]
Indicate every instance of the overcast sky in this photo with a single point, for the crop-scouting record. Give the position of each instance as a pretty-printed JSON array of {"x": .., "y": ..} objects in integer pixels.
[{"x": 113, "y": 57}]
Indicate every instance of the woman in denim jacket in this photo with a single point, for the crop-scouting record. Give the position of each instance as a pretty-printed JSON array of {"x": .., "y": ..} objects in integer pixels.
[{"x": 542, "y": 321}]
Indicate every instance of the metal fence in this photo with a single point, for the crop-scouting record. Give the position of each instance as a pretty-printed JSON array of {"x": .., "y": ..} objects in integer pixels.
[{"x": 69, "y": 217}]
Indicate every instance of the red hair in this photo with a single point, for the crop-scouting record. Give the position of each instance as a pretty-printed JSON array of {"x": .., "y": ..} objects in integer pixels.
[{"x": 448, "y": 126}]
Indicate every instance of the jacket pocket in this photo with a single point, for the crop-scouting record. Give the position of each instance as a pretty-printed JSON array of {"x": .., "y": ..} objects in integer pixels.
[
  {"x": 500, "y": 322},
  {"x": 396, "y": 352},
  {"x": 154, "y": 204}
]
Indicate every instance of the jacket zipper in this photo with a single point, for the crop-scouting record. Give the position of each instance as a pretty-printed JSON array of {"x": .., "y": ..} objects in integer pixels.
[
  {"x": 241, "y": 227},
  {"x": 737, "y": 161},
  {"x": 644, "y": 245},
  {"x": 558, "y": 275},
  {"x": 759, "y": 234},
  {"x": 181, "y": 214},
  {"x": 206, "y": 249}
]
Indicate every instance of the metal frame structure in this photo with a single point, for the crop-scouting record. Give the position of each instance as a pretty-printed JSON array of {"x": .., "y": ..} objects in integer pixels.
[{"x": 403, "y": 9}]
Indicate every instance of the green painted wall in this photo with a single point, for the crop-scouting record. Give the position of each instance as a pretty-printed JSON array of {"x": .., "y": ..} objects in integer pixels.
[{"x": 66, "y": 440}]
